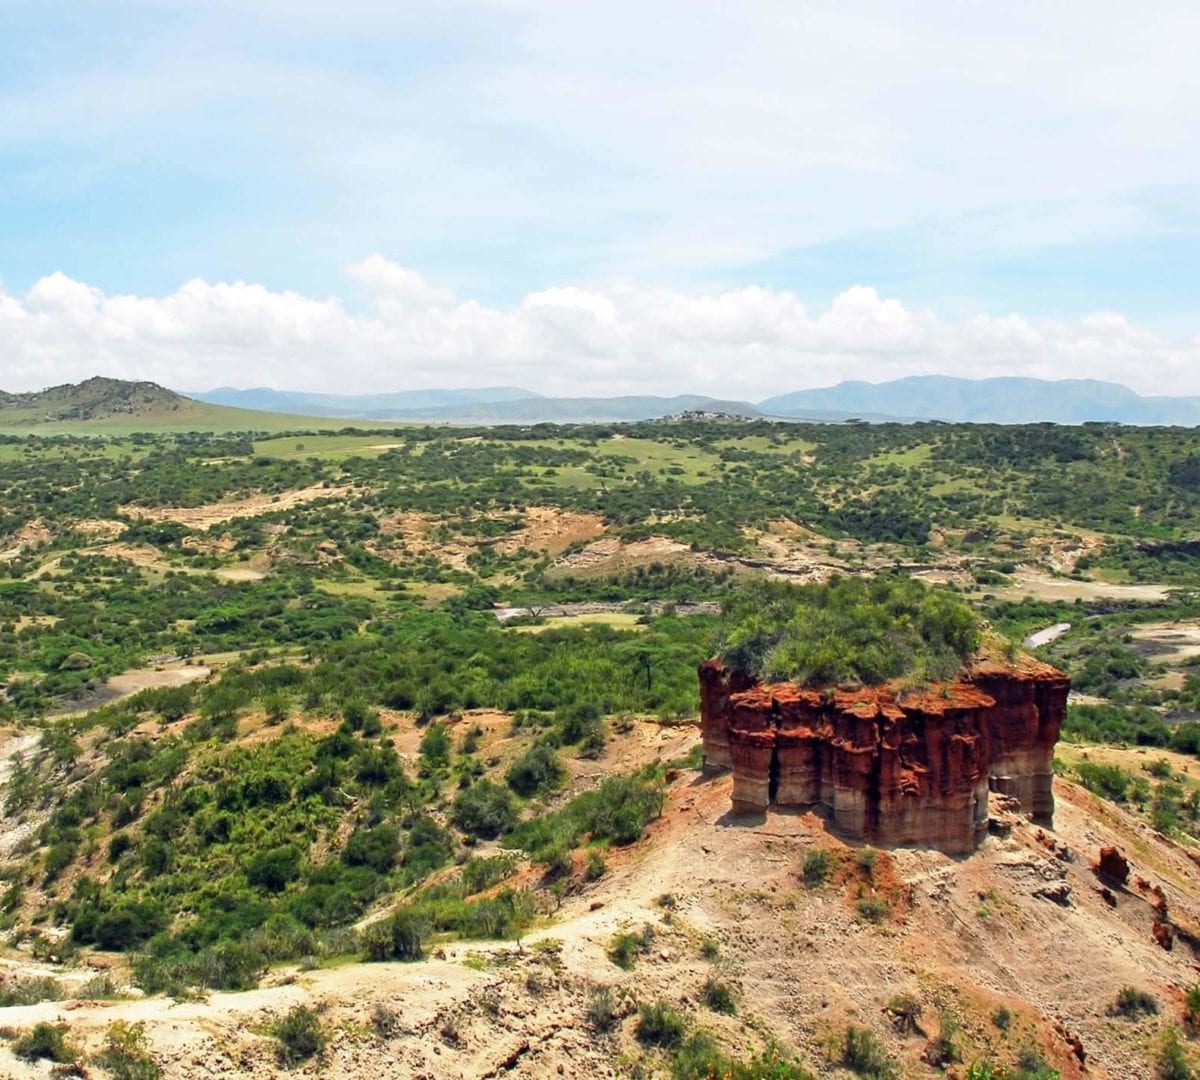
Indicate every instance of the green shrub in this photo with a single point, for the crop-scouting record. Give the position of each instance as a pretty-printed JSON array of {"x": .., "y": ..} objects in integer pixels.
[
  {"x": 274, "y": 869},
  {"x": 1108, "y": 780},
  {"x": 376, "y": 848},
  {"x": 866, "y": 859},
  {"x": 595, "y": 867},
  {"x": 481, "y": 874},
  {"x": 1172, "y": 1061},
  {"x": 48, "y": 1041},
  {"x": 660, "y": 1025},
  {"x": 484, "y": 810},
  {"x": 125, "y": 1054},
  {"x": 719, "y": 996},
  {"x": 1133, "y": 1003},
  {"x": 435, "y": 748},
  {"x": 698, "y": 1058},
  {"x": 29, "y": 990},
  {"x": 863, "y": 1053},
  {"x": 816, "y": 868},
  {"x": 536, "y": 772},
  {"x": 944, "y": 1049},
  {"x": 300, "y": 1035},
  {"x": 873, "y": 908},
  {"x": 400, "y": 937},
  {"x": 601, "y": 1009},
  {"x": 623, "y": 950},
  {"x": 1031, "y": 1066},
  {"x": 1191, "y": 1004}
]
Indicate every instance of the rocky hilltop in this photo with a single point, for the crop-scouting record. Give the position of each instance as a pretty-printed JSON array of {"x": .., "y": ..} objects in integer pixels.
[
  {"x": 892, "y": 765},
  {"x": 93, "y": 399}
]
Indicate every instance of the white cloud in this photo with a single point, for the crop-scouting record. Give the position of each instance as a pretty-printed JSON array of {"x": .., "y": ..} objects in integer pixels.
[{"x": 622, "y": 338}]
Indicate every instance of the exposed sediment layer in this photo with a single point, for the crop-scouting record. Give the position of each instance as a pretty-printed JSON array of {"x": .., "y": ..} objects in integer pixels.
[{"x": 892, "y": 765}]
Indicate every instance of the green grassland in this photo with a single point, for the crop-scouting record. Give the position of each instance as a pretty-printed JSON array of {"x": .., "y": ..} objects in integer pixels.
[{"x": 190, "y": 416}]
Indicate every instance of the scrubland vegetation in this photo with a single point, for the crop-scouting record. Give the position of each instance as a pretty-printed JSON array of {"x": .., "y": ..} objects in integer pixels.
[{"x": 331, "y": 791}]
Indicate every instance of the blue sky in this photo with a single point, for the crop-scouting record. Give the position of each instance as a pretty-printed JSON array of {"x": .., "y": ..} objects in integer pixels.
[{"x": 965, "y": 160}]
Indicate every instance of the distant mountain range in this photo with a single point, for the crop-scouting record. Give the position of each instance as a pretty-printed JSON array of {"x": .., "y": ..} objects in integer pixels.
[
  {"x": 361, "y": 406},
  {"x": 1004, "y": 400},
  {"x": 926, "y": 397}
]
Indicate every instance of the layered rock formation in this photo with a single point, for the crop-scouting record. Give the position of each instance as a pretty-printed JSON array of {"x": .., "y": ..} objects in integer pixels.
[{"x": 891, "y": 765}]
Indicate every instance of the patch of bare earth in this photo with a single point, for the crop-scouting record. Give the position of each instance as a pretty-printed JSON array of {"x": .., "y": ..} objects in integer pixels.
[
  {"x": 128, "y": 683},
  {"x": 204, "y": 517},
  {"x": 1042, "y": 586}
]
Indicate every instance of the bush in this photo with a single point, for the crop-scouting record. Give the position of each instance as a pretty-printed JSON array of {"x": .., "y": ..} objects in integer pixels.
[
  {"x": 595, "y": 867},
  {"x": 1109, "y": 781},
  {"x": 481, "y": 874},
  {"x": 863, "y": 1053},
  {"x": 376, "y": 848},
  {"x": 300, "y": 1035},
  {"x": 866, "y": 859},
  {"x": 602, "y": 1009},
  {"x": 435, "y": 749},
  {"x": 816, "y": 868},
  {"x": 874, "y": 908},
  {"x": 1191, "y": 1004},
  {"x": 719, "y": 996},
  {"x": 48, "y": 1041},
  {"x": 484, "y": 810},
  {"x": 274, "y": 869},
  {"x": 1002, "y": 1017},
  {"x": 623, "y": 950},
  {"x": 536, "y": 772},
  {"x": 29, "y": 991},
  {"x": 402, "y": 937},
  {"x": 944, "y": 1050},
  {"x": 1133, "y": 1003},
  {"x": 125, "y": 1055},
  {"x": 660, "y": 1025},
  {"x": 699, "y": 1059},
  {"x": 1172, "y": 1061}
]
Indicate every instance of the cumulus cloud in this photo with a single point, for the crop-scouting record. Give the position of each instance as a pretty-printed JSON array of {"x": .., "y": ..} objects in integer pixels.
[{"x": 620, "y": 338}]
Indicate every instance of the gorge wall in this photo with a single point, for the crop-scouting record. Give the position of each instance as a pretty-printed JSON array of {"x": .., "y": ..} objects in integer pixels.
[{"x": 890, "y": 765}]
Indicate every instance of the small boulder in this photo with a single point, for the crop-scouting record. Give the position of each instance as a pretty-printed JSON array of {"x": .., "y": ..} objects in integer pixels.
[{"x": 1112, "y": 866}]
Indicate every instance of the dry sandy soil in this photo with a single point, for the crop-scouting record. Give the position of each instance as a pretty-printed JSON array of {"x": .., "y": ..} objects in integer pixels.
[
  {"x": 1042, "y": 586},
  {"x": 204, "y": 517},
  {"x": 964, "y": 936},
  {"x": 1168, "y": 642}
]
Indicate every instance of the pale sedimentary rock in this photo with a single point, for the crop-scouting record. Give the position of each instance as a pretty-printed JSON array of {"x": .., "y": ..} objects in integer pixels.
[{"x": 892, "y": 765}]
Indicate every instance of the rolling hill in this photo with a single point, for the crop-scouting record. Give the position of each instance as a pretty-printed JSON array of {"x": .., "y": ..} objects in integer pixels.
[{"x": 116, "y": 406}]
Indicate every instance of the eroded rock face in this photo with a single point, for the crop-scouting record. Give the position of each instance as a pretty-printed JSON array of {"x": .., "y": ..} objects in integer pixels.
[{"x": 893, "y": 766}]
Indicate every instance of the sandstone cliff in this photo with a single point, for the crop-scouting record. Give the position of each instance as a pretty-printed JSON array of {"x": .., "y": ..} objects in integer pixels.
[{"x": 895, "y": 766}]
